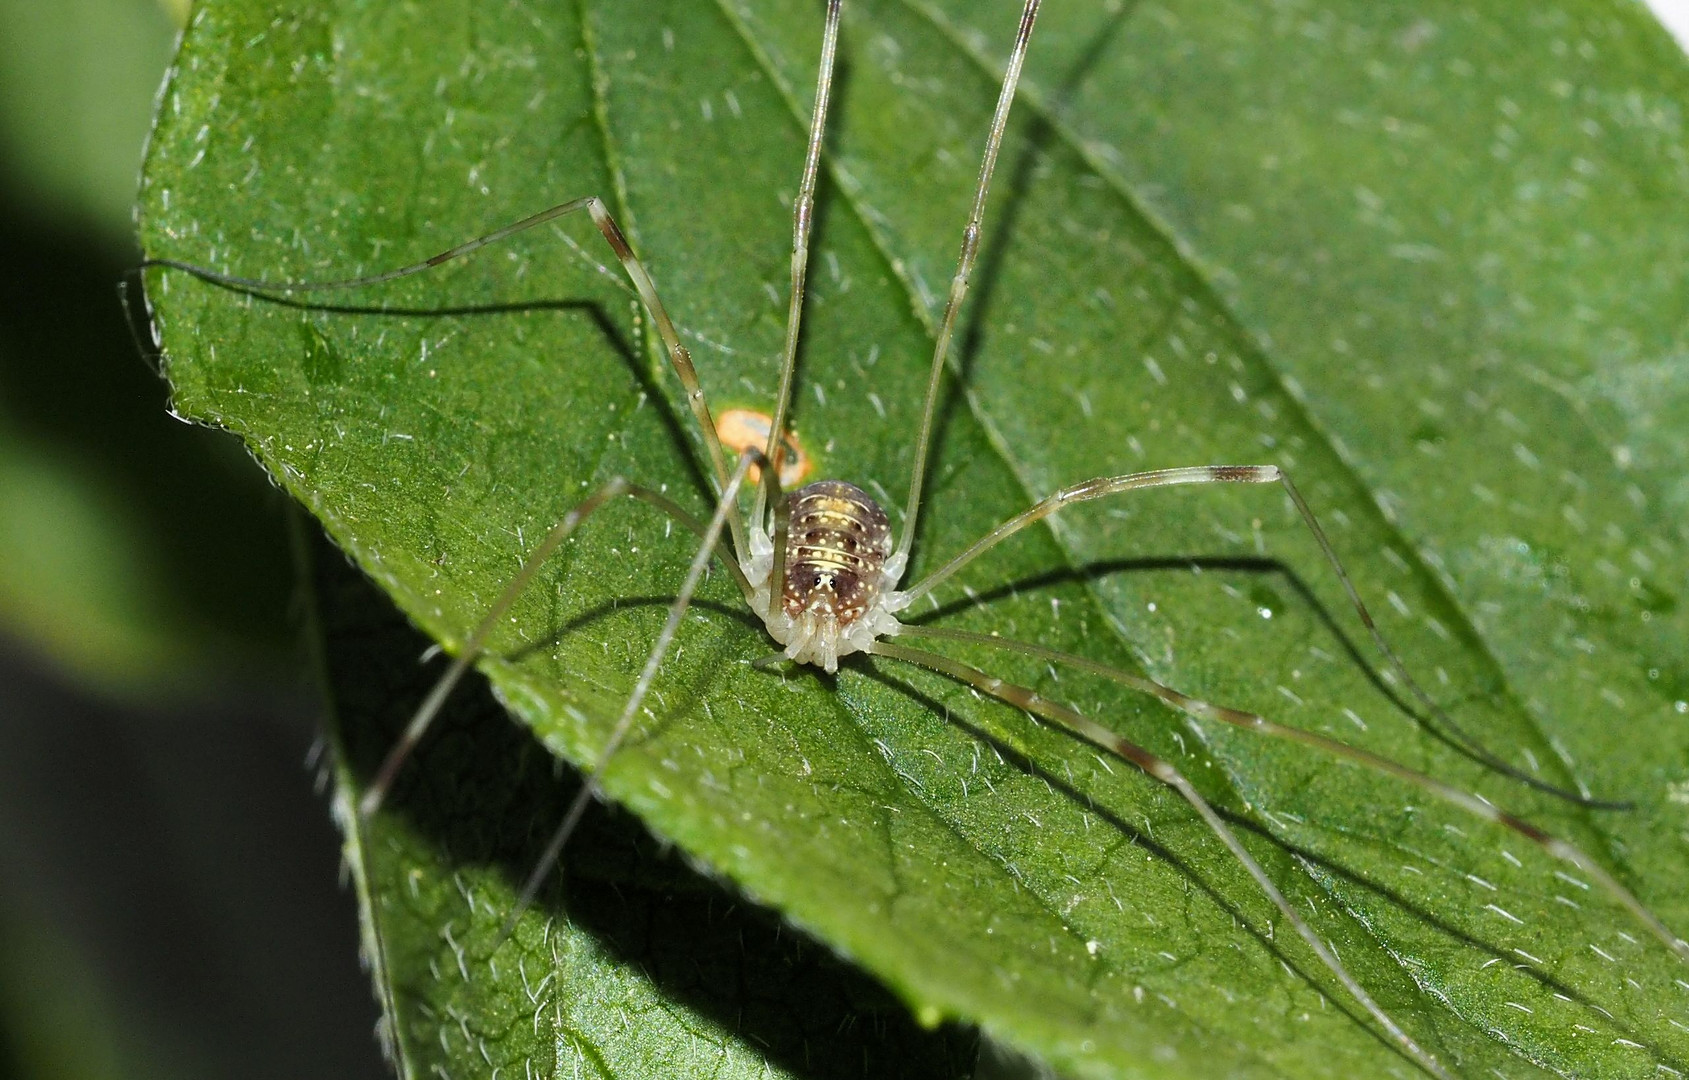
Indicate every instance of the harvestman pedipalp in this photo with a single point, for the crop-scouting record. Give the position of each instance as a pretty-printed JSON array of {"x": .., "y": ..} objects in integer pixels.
[{"x": 821, "y": 568}]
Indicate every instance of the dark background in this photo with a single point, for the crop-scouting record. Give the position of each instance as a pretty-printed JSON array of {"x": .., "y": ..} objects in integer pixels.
[{"x": 170, "y": 897}]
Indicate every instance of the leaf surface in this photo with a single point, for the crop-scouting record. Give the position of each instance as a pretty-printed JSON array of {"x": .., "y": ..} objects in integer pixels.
[{"x": 1386, "y": 253}]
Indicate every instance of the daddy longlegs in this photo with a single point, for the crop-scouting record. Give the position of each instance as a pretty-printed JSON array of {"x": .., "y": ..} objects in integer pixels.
[{"x": 822, "y": 566}]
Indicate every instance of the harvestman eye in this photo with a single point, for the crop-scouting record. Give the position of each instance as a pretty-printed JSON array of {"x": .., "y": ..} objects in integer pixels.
[{"x": 823, "y": 569}]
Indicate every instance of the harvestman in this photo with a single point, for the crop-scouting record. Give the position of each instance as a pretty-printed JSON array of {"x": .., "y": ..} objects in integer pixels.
[{"x": 820, "y": 568}]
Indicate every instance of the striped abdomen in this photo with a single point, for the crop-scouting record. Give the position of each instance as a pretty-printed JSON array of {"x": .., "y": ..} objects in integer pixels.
[{"x": 837, "y": 545}]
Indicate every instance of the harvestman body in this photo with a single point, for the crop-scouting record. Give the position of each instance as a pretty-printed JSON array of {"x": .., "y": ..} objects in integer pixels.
[{"x": 821, "y": 569}]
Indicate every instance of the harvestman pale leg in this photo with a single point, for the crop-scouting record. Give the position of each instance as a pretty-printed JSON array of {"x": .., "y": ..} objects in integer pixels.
[
  {"x": 475, "y": 644},
  {"x": 679, "y": 357},
  {"x": 1084, "y": 727},
  {"x": 964, "y": 273},
  {"x": 1203, "y": 710},
  {"x": 1102, "y": 487},
  {"x": 709, "y": 545},
  {"x": 803, "y": 221},
  {"x": 726, "y": 507}
]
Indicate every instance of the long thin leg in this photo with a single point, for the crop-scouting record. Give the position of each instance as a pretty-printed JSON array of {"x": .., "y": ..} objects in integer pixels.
[
  {"x": 1203, "y": 710},
  {"x": 477, "y": 640},
  {"x": 964, "y": 270},
  {"x": 803, "y": 220},
  {"x": 782, "y": 537},
  {"x": 1085, "y": 728},
  {"x": 679, "y": 358},
  {"x": 782, "y": 528},
  {"x": 1104, "y": 486},
  {"x": 677, "y": 611}
]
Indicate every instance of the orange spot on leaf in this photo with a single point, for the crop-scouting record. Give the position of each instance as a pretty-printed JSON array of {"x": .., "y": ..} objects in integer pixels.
[{"x": 740, "y": 429}]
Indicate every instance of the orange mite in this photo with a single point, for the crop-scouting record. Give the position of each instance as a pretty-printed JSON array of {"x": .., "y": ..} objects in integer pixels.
[{"x": 741, "y": 428}]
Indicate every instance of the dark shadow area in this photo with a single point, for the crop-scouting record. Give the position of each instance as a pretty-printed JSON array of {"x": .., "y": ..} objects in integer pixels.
[
  {"x": 73, "y": 390},
  {"x": 168, "y": 875},
  {"x": 482, "y": 790},
  {"x": 179, "y": 858},
  {"x": 591, "y": 309}
]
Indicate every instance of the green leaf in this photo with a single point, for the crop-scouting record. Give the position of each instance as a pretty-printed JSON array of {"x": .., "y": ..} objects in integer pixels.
[{"x": 1431, "y": 264}]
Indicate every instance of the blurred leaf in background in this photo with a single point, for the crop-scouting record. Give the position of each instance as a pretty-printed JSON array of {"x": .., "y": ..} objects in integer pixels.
[
  {"x": 136, "y": 552},
  {"x": 168, "y": 898}
]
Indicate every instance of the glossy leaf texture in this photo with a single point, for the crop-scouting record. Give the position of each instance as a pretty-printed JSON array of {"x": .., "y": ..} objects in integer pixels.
[{"x": 1429, "y": 262}]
